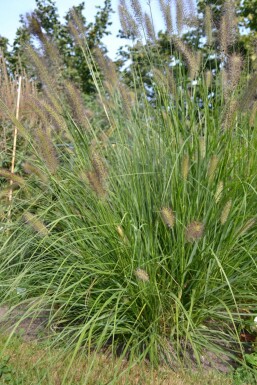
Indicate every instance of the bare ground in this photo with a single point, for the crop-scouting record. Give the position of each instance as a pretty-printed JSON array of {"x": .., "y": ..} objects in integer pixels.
[{"x": 33, "y": 327}]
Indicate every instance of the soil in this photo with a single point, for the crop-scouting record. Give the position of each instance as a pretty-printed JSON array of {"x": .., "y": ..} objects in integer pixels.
[
  {"x": 34, "y": 327},
  {"x": 29, "y": 326}
]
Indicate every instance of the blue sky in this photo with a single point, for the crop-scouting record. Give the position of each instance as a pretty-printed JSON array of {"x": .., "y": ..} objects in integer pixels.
[
  {"x": 9, "y": 16},
  {"x": 10, "y": 11}
]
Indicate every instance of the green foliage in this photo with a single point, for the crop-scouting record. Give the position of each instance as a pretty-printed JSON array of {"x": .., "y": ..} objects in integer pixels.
[
  {"x": 7, "y": 373},
  {"x": 244, "y": 376},
  {"x": 3, "y": 46}
]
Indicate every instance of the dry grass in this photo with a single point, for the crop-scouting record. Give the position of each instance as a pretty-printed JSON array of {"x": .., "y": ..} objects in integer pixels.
[{"x": 40, "y": 364}]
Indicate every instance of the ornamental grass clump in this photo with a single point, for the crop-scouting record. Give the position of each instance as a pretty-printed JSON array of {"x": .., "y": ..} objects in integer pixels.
[{"x": 167, "y": 177}]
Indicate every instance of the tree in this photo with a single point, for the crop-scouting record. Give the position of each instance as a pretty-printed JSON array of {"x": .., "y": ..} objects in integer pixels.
[{"x": 43, "y": 26}]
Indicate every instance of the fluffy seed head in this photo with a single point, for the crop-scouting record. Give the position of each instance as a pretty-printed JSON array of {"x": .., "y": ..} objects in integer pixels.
[
  {"x": 208, "y": 25},
  {"x": 74, "y": 97},
  {"x": 141, "y": 275},
  {"x": 249, "y": 93},
  {"x": 223, "y": 35},
  {"x": 179, "y": 15},
  {"x": 218, "y": 192},
  {"x": 224, "y": 81},
  {"x": 4, "y": 193},
  {"x": 127, "y": 21},
  {"x": 191, "y": 59},
  {"x": 108, "y": 69},
  {"x": 202, "y": 147},
  {"x": 160, "y": 78},
  {"x": 149, "y": 27},
  {"x": 168, "y": 217},
  {"x": 165, "y": 6},
  {"x": 185, "y": 167},
  {"x": 235, "y": 63},
  {"x": 46, "y": 148},
  {"x": 228, "y": 25},
  {"x": 253, "y": 114},
  {"x": 247, "y": 226},
  {"x": 230, "y": 113},
  {"x": 225, "y": 212},
  {"x": 15, "y": 178},
  {"x": 137, "y": 10},
  {"x": 31, "y": 169},
  {"x": 44, "y": 74},
  {"x": 127, "y": 98},
  {"x": 36, "y": 224},
  {"x": 99, "y": 167},
  {"x": 208, "y": 78},
  {"x": 121, "y": 233},
  {"x": 212, "y": 167},
  {"x": 96, "y": 184},
  {"x": 194, "y": 231}
]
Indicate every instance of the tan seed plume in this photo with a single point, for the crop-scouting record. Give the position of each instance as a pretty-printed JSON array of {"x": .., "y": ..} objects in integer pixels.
[
  {"x": 208, "y": 78},
  {"x": 208, "y": 25},
  {"x": 179, "y": 15},
  {"x": 36, "y": 224},
  {"x": 142, "y": 275},
  {"x": 127, "y": 21},
  {"x": 47, "y": 149},
  {"x": 228, "y": 26},
  {"x": 247, "y": 226},
  {"x": 168, "y": 217},
  {"x": 249, "y": 93},
  {"x": 253, "y": 115},
  {"x": 194, "y": 231},
  {"x": 202, "y": 147},
  {"x": 47, "y": 80},
  {"x": 96, "y": 184},
  {"x": 137, "y": 10},
  {"x": 225, "y": 212},
  {"x": 15, "y": 178},
  {"x": 165, "y": 7},
  {"x": 185, "y": 167},
  {"x": 149, "y": 28},
  {"x": 230, "y": 113},
  {"x": 5, "y": 192},
  {"x": 212, "y": 167},
  {"x": 109, "y": 71},
  {"x": 120, "y": 231},
  {"x": 235, "y": 63},
  {"x": 219, "y": 191},
  {"x": 99, "y": 167},
  {"x": 80, "y": 113},
  {"x": 191, "y": 59},
  {"x": 31, "y": 169}
]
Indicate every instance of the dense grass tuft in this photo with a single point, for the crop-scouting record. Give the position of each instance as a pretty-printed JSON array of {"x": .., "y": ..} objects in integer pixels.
[{"x": 138, "y": 230}]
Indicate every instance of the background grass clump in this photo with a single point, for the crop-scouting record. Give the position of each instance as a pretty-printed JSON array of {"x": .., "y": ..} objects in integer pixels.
[{"x": 136, "y": 227}]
